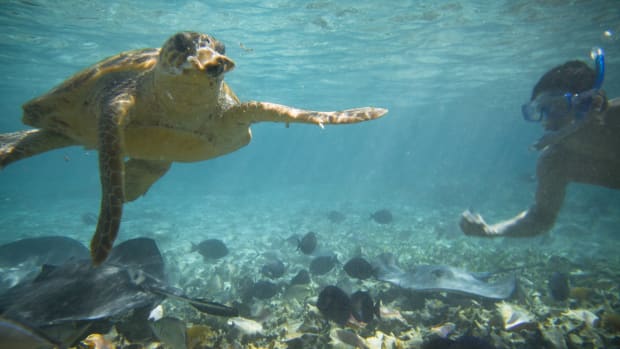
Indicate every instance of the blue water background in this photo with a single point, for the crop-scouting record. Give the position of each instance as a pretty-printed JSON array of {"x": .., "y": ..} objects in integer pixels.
[{"x": 452, "y": 73}]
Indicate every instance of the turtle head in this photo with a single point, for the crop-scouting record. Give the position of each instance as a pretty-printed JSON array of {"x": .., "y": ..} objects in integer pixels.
[{"x": 194, "y": 54}]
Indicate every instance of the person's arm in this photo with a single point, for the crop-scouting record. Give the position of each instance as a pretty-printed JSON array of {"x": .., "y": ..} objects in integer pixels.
[{"x": 540, "y": 217}]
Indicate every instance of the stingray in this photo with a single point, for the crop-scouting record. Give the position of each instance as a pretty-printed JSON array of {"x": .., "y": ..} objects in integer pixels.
[
  {"x": 132, "y": 278},
  {"x": 42, "y": 250},
  {"x": 443, "y": 278},
  {"x": 22, "y": 259}
]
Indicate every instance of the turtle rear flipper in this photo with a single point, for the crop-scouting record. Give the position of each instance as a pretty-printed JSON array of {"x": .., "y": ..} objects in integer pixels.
[
  {"x": 111, "y": 175},
  {"x": 140, "y": 176},
  {"x": 19, "y": 145},
  {"x": 263, "y": 111}
]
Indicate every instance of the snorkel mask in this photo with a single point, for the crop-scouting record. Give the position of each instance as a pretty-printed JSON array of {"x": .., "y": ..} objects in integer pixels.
[{"x": 550, "y": 105}]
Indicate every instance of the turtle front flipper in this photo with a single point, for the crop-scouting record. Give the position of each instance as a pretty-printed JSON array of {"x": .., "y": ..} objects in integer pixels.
[
  {"x": 140, "y": 176},
  {"x": 19, "y": 145},
  {"x": 111, "y": 175},
  {"x": 263, "y": 111}
]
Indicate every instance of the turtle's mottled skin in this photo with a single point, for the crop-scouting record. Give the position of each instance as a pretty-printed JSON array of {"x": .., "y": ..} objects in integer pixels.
[{"x": 143, "y": 110}]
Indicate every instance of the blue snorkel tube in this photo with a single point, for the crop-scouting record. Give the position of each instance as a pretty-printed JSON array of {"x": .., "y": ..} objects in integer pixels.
[
  {"x": 599, "y": 58},
  {"x": 582, "y": 102}
]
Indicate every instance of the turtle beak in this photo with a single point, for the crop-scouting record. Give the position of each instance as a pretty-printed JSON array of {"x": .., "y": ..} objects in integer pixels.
[{"x": 211, "y": 62}]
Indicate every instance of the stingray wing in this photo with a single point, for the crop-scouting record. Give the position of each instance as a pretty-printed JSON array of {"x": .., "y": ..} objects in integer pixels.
[
  {"x": 21, "y": 260},
  {"x": 449, "y": 279},
  {"x": 442, "y": 278},
  {"x": 78, "y": 291},
  {"x": 75, "y": 291},
  {"x": 139, "y": 253}
]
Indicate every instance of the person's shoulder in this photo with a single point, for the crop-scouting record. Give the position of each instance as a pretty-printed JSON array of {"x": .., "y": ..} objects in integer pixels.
[
  {"x": 612, "y": 114},
  {"x": 613, "y": 108}
]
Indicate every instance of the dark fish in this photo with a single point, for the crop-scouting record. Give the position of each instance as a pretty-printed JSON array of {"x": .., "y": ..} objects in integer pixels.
[
  {"x": 302, "y": 278},
  {"x": 263, "y": 289},
  {"x": 322, "y": 264},
  {"x": 335, "y": 216},
  {"x": 334, "y": 304},
  {"x": 359, "y": 268},
  {"x": 362, "y": 307},
  {"x": 558, "y": 285},
  {"x": 382, "y": 216},
  {"x": 307, "y": 244},
  {"x": 211, "y": 249},
  {"x": 273, "y": 269}
]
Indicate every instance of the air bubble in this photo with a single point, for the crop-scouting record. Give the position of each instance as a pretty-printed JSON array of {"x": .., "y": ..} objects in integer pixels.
[{"x": 595, "y": 52}]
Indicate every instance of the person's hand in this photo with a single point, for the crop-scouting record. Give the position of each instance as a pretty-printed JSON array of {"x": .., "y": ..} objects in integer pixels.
[
  {"x": 599, "y": 101},
  {"x": 599, "y": 106},
  {"x": 472, "y": 224}
]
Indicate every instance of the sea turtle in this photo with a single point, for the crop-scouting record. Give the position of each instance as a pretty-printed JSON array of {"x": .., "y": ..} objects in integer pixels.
[{"x": 143, "y": 110}]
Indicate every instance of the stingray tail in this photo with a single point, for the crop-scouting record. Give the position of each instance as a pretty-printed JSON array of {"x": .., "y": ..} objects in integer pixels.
[
  {"x": 485, "y": 275},
  {"x": 213, "y": 308},
  {"x": 526, "y": 266}
]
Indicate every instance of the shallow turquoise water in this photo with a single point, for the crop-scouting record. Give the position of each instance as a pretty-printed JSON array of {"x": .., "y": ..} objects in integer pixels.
[{"x": 453, "y": 75}]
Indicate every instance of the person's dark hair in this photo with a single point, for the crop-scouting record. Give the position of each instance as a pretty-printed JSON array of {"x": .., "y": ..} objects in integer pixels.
[{"x": 572, "y": 76}]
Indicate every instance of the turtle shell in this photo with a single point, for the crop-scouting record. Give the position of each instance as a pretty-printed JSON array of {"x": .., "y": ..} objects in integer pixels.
[{"x": 67, "y": 108}]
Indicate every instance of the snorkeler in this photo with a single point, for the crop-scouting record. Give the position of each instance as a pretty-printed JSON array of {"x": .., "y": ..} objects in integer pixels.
[{"x": 582, "y": 145}]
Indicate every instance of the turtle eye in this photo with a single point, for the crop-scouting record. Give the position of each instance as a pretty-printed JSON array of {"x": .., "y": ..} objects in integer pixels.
[{"x": 182, "y": 42}]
